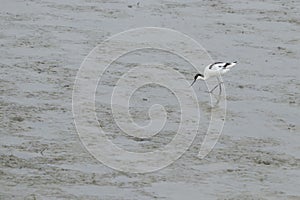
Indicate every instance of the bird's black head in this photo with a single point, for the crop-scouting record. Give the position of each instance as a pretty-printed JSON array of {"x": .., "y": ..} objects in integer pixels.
[{"x": 197, "y": 76}]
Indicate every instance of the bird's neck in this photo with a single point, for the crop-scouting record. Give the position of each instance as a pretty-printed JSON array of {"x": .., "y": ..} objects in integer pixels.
[{"x": 203, "y": 78}]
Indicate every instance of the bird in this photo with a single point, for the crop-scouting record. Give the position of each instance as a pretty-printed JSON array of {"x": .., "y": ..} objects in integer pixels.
[{"x": 215, "y": 70}]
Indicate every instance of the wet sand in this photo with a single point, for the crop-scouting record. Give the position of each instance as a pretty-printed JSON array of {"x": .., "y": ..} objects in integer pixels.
[{"x": 42, "y": 44}]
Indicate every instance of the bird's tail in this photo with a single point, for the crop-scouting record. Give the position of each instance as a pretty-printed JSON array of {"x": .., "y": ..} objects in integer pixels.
[{"x": 231, "y": 65}]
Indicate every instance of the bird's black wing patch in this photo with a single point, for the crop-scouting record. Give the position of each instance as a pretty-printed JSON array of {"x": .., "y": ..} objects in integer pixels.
[
  {"x": 226, "y": 64},
  {"x": 214, "y": 64}
]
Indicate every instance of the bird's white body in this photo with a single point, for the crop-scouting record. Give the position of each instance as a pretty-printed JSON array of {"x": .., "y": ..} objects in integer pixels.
[{"x": 215, "y": 70}]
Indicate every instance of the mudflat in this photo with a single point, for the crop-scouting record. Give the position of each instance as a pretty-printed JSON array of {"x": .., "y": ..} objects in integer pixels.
[{"x": 42, "y": 45}]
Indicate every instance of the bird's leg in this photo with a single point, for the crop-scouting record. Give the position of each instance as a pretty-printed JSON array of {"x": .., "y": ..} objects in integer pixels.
[
  {"x": 214, "y": 88},
  {"x": 219, "y": 84}
]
